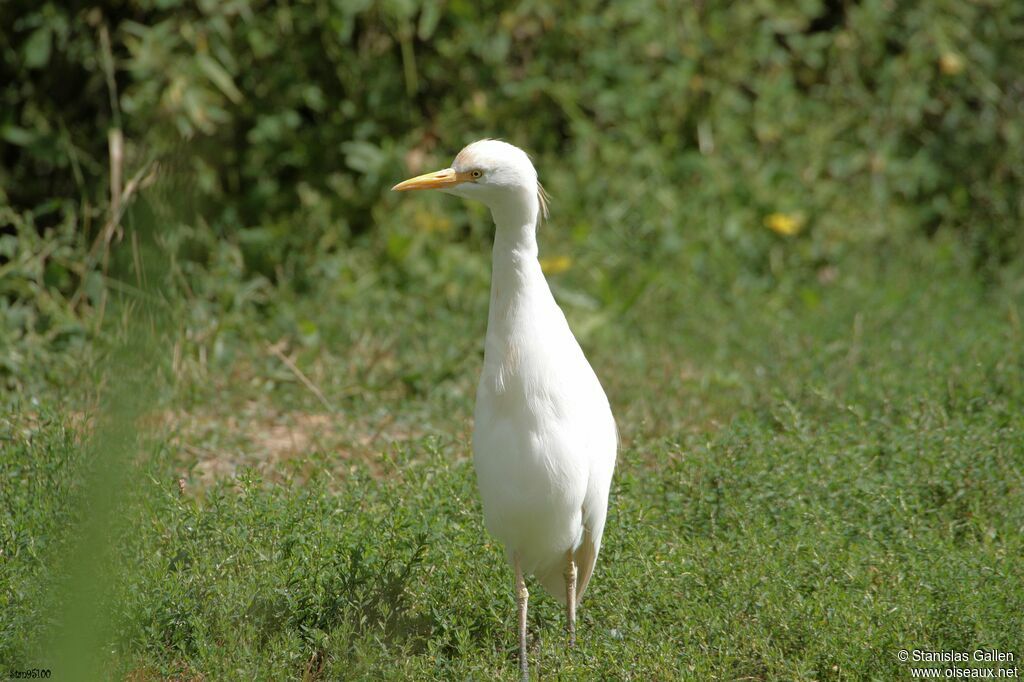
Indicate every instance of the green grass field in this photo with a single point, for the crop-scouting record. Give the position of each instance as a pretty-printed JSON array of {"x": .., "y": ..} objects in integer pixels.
[{"x": 816, "y": 471}]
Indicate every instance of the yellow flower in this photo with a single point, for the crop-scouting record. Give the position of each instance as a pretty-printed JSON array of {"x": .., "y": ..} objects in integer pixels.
[
  {"x": 554, "y": 265},
  {"x": 786, "y": 224},
  {"x": 951, "y": 64}
]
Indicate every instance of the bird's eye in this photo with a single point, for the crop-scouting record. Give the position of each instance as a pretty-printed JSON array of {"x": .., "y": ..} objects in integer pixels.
[{"x": 476, "y": 174}]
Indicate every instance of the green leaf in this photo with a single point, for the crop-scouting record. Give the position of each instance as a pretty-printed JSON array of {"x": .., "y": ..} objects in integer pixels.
[
  {"x": 221, "y": 78},
  {"x": 429, "y": 18},
  {"x": 17, "y": 136},
  {"x": 37, "y": 48}
]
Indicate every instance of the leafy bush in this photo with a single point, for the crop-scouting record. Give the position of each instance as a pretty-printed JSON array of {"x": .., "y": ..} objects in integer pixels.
[
  {"x": 687, "y": 133},
  {"x": 308, "y": 108}
]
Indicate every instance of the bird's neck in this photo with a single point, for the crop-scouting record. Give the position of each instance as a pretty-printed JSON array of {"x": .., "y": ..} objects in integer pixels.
[
  {"x": 515, "y": 237},
  {"x": 516, "y": 272}
]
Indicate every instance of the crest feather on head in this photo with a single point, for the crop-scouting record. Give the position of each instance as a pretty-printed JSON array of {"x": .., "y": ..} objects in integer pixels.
[{"x": 544, "y": 199}]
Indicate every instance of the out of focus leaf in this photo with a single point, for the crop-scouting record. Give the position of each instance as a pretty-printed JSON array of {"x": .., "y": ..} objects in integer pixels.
[
  {"x": 17, "y": 136},
  {"x": 37, "y": 48},
  {"x": 216, "y": 73}
]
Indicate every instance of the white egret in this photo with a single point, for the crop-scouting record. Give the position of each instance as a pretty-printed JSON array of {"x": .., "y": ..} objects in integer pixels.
[{"x": 544, "y": 439}]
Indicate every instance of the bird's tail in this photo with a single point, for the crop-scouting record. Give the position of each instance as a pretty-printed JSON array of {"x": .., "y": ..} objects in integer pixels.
[{"x": 553, "y": 577}]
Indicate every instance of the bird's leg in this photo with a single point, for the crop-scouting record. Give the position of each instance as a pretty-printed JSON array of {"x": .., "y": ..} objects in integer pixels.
[
  {"x": 570, "y": 597},
  {"x": 521, "y": 598}
]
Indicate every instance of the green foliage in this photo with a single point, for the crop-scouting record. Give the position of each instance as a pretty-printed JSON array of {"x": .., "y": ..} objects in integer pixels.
[
  {"x": 784, "y": 229},
  {"x": 40, "y": 467},
  {"x": 804, "y": 489},
  {"x": 680, "y": 131},
  {"x": 847, "y": 114},
  {"x": 40, "y": 329}
]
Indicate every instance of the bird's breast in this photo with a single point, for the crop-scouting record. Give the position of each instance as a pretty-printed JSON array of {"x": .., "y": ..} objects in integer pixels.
[
  {"x": 540, "y": 421},
  {"x": 532, "y": 448}
]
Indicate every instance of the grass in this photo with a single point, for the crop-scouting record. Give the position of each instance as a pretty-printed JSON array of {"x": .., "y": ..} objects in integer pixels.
[{"x": 817, "y": 471}]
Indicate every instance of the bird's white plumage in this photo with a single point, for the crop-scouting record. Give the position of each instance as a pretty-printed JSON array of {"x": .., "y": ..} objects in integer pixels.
[{"x": 544, "y": 439}]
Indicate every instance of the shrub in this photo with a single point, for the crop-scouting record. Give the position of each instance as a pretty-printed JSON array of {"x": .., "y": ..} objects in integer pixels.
[{"x": 280, "y": 126}]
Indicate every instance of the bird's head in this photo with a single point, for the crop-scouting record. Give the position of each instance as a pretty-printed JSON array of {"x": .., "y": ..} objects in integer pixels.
[{"x": 491, "y": 171}]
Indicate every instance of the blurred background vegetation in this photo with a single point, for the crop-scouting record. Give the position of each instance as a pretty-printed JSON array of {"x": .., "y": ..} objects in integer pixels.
[{"x": 261, "y": 139}]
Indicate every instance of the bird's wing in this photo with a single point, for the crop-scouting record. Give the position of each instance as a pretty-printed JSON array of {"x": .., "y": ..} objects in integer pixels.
[
  {"x": 593, "y": 515},
  {"x": 586, "y": 558},
  {"x": 595, "y": 508},
  {"x": 552, "y": 578}
]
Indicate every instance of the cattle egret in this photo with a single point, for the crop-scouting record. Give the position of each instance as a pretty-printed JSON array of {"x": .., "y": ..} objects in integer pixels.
[{"x": 544, "y": 439}]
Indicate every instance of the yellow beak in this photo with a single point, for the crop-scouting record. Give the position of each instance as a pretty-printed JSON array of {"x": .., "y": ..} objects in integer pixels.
[{"x": 436, "y": 180}]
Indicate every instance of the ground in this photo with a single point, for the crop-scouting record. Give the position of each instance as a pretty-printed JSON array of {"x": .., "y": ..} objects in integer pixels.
[{"x": 814, "y": 474}]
